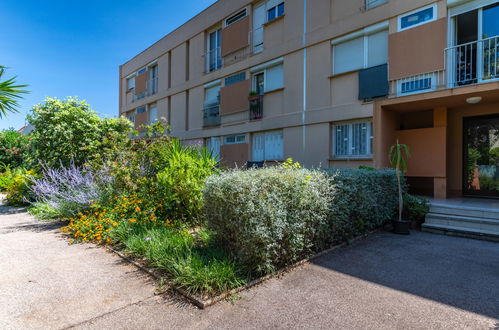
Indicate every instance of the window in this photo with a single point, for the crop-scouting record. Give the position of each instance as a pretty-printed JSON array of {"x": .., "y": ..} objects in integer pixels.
[
  {"x": 141, "y": 110},
  {"x": 417, "y": 17},
  {"x": 235, "y": 139},
  {"x": 419, "y": 83},
  {"x": 275, "y": 12},
  {"x": 141, "y": 71},
  {"x": 268, "y": 146},
  {"x": 214, "y": 57},
  {"x": 153, "y": 113},
  {"x": 153, "y": 79},
  {"x": 268, "y": 77},
  {"x": 235, "y": 78},
  {"x": 237, "y": 17},
  {"x": 374, "y": 3},
  {"x": 352, "y": 140},
  {"x": 130, "y": 83},
  {"x": 365, "y": 51},
  {"x": 212, "y": 96}
]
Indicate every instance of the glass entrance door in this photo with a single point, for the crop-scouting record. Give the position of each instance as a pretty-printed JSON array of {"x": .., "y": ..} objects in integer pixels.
[{"x": 481, "y": 156}]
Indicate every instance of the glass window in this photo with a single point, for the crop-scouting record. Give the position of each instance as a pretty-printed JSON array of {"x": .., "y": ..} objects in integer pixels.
[
  {"x": 237, "y": 17},
  {"x": 235, "y": 78},
  {"x": 275, "y": 12},
  {"x": 259, "y": 82},
  {"x": 153, "y": 113},
  {"x": 352, "y": 140},
  {"x": 235, "y": 139},
  {"x": 130, "y": 83},
  {"x": 417, "y": 18},
  {"x": 141, "y": 110},
  {"x": 374, "y": 3},
  {"x": 214, "y": 58}
]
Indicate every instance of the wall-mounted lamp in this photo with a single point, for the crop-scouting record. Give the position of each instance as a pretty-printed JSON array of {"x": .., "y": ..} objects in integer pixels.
[{"x": 474, "y": 100}]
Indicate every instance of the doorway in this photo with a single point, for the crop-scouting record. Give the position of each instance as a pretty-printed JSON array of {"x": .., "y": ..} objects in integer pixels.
[{"x": 481, "y": 156}]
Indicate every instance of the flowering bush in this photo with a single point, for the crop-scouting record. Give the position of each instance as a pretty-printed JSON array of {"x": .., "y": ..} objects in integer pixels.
[
  {"x": 96, "y": 223},
  {"x": 70, "y": 190},
  {"x": 19, "y": 189},
  {"x": 14, "y": 148}
]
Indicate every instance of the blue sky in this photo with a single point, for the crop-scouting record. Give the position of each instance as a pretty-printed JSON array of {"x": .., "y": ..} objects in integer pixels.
[{"x": 73, "y": 48}]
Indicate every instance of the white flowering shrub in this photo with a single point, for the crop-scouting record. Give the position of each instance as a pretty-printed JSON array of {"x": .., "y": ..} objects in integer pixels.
[{"x": 268, "y": 218}]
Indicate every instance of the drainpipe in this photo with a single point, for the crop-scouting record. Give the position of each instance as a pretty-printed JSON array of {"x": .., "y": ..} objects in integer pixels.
[{"x": 304, "y": 43}]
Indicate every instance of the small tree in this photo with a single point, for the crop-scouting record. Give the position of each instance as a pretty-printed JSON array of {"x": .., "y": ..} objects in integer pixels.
[
  {"x": 399, "y": 154},
  {"x": 9, "y": 94},
  {"x": 69, "y": 131}
]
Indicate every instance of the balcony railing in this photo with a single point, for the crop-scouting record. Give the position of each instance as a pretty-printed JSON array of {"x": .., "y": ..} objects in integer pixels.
[
  {"x": 213, "y": 60},
  {"x": 256, "y": 107},
  {"x": 211, "y": 116},
  {"x": 473, "y": 63}
]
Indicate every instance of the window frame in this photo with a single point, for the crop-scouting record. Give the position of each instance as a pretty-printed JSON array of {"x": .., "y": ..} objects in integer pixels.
[
  {"x": 236, "y": 137},
  {"x": 433, "y": 6},
  {"x": 263, "y": 69},
  {"x": 276, "y": 9},
  {"x": 369, "y": 144},
  {"x": 368, "y": 4},
  {"x": 128, "y": 79},
  {"x": 236, "y": 17},
  {"x": 218, "y": 57}
]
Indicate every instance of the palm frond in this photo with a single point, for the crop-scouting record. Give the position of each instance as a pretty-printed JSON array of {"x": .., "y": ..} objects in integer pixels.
[{"x": 10, "y": 93}]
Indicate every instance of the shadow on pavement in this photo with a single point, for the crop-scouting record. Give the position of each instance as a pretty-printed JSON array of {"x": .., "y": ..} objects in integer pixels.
[
  {"x": 459, "y": 272},
  {"x": 8, "y": 210}
]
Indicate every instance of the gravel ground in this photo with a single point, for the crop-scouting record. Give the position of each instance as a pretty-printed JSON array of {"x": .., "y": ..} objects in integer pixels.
[{"x": 421, "y": 281}]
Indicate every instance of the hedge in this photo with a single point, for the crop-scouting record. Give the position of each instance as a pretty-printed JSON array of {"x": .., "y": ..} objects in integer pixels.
[{"x": 269, "y": 218}]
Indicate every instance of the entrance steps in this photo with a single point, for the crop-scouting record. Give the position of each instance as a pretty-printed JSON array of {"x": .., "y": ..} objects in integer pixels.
[{"x": 464, "y": 217}]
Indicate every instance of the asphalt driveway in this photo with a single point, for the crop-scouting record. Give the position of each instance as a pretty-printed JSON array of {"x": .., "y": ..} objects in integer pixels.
[{"x": 421, "y": 281}]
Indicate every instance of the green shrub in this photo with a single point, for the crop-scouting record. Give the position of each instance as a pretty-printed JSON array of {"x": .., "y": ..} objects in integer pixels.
[
  {"x": 361, "y": 201},
  {"x": 69, "y": 132},
  {"x": 19, "y": 191},
  {"x": 7, "y": 176},
  {"x": 415, "y": 207},
  {"x": 181, "y": 179},
  {"x": 268, "y": 218},
  {"x": 14, "y": 148}
]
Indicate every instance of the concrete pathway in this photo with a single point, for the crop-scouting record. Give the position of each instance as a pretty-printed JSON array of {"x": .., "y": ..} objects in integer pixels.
[{"x": 422, "y": 281}]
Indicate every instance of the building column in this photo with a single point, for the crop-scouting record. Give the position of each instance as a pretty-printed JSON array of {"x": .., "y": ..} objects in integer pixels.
[{"x": 440, "y": 183}]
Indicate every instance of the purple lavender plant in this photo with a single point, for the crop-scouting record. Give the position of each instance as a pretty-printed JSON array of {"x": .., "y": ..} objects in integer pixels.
[{"x": 70, "y": 190}]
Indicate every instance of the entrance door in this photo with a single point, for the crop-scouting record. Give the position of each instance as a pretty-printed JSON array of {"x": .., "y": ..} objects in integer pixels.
[{"x": 481, "y": 156}]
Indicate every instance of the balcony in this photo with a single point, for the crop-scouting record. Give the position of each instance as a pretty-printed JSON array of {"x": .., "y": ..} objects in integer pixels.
[
  {"x": 151, "y": 89},
  {"x": 473, "y": 63},
  {"x": 256, "y": 107},
  {"x": 211, "y": 115}
]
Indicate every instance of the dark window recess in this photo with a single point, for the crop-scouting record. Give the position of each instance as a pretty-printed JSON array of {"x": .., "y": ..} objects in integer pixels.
[
  {"x": 141, "y": 110},
  {"x": 373, "y": 82},
  {"x": 235, "y": 78},
  {"x": 237, "y": 17},
  {"x": 275, "y": 12}
]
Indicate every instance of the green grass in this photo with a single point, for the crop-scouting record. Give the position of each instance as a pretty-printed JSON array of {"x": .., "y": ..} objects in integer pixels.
[{"x": 192, "y": 262}]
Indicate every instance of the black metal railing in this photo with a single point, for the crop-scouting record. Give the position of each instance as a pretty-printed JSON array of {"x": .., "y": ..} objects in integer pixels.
[
  {"x": 211, "y": 115},
  {"x": 256, "y": 107}
]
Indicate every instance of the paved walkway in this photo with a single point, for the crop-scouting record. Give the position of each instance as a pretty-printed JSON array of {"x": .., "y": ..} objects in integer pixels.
[{"x": 422, "y": 281}]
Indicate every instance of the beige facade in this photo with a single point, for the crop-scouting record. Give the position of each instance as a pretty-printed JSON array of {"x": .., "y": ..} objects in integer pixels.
[{"x": 268, "y": 80}]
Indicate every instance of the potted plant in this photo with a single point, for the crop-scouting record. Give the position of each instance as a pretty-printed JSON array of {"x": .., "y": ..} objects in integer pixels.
[
  {"x": 399, "y": 153},
  {"x": 253, "y": 96}
]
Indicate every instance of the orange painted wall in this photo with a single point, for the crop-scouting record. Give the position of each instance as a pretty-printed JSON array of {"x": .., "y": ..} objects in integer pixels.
[
  {"x": 234, "y": 98},
  {"x": 235, "y": 36}
]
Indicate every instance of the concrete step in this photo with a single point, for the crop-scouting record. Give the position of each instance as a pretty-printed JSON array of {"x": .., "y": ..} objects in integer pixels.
[
  {"x": 464, "y": 210},
  {"x": 486, "y": 225},
  {"x": 461, "y": 231}
]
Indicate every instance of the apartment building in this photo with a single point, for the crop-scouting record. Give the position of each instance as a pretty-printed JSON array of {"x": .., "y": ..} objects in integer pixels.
[{"x": 333, "y": 83}]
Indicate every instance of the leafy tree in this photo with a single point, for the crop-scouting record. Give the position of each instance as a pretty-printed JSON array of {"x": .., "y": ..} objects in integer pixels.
[
  {"x": 9, "y": 94},
  {"x": 14, "y": 148},
  {"x": 69, "y": 132}
]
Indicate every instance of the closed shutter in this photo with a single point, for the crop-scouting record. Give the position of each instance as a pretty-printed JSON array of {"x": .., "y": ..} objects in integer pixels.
[
  {"x": 274, "y": 146},
  {"x": 274, "y": 78},
  {"x": 213, "y": 145},
  {"x": 349, "y": 56},
  {"x": 258, "y": 148},
  {"x": 153, "y": 113},
  {"x": 377, "y": 49}
]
